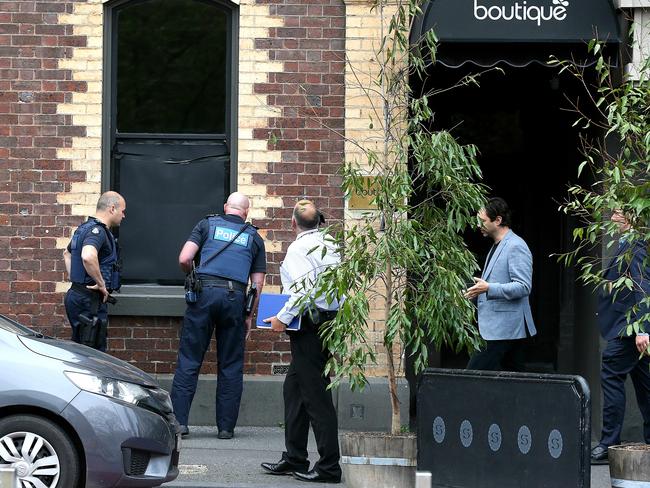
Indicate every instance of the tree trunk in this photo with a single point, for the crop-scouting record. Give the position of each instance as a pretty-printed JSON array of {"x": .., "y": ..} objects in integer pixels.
[{"x": 395, "y": 424}]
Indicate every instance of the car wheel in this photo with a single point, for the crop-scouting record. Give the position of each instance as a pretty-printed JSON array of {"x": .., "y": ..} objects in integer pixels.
[{"x": 40, "y": 451}]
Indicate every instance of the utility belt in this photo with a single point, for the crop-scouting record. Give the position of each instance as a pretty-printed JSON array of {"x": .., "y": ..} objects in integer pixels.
[
  {"x": 194, "y": 284},
  {"x": 92, "y": 293},
  {"x": 214, "y": 281}
]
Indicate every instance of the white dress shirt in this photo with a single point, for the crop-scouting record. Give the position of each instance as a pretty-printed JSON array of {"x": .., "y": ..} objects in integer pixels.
[{"x": 300, "y": 265}]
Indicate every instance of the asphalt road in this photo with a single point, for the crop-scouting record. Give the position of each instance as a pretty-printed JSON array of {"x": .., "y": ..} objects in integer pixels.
[{"x": 207, "y": 462}]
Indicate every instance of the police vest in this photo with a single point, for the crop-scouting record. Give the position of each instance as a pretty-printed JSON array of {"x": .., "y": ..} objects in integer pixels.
[
  {"x": 108, "y": 265},
  {"x": 235, "y": 261}
]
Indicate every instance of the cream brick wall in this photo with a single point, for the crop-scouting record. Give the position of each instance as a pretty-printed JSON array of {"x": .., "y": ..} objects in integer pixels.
[
  {"x": 85, "y": 108},
  {"x": 363, "y": 108},
  {"x": 254, "y": 67}
]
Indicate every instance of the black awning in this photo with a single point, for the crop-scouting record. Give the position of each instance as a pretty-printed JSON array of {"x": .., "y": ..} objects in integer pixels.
[{"x": 517, "y": 32}]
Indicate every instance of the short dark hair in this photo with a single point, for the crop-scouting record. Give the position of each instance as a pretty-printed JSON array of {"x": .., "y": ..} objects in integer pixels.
[
  {"x": 306, "y": 220},
  {"x": 497, "y": 207}
]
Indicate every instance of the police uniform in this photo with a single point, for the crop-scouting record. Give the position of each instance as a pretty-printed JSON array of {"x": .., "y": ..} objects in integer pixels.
[
  {"x": 79, "y": 299},
  {"x": 219, "y": 307}
]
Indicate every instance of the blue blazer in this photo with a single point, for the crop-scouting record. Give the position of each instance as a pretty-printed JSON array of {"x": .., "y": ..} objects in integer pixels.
[
  {"x": 504, "y": 311},
  {"x": 612, "y": 309}
]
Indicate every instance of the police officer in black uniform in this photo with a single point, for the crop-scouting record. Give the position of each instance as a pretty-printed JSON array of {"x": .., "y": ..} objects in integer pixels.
[
  {"x": 231, "y": 252},
  {"x": 92, "y": 263}
]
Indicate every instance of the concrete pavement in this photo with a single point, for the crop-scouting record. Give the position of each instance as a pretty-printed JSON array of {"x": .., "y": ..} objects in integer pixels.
[{"x": 207, "y": 462}]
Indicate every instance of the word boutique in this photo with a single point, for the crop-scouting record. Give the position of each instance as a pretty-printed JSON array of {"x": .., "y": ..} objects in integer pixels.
[{"x": 522, "y": 11}]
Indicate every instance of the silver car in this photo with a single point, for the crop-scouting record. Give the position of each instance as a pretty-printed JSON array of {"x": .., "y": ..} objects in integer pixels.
[{"x": 73, "y": 417}]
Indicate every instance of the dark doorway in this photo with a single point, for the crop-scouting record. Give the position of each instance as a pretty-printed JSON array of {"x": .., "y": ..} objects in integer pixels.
[
  {"x": 169, "y": 125},
  {"x": 529, "y": 152}
]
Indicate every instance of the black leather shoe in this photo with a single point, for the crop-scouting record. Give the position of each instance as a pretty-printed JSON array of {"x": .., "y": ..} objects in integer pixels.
[
  {"x": 281, "y": 467},
  {"x": 224, "y": 434},
  {"x": 599, "y": 455},
  {"x": 184, "y": 430},
  {"x": 316, "y": 477}
]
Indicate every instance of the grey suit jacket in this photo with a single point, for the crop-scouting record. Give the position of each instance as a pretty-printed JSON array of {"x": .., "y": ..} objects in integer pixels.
[{"x": 504, "y": 311}]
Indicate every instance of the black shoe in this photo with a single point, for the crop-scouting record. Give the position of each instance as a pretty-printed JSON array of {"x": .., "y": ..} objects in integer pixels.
[
  {"x": 316, "y": 477},
  {"x": 599, "y": 455},
  {"x": 281, "y": 467},
  {"x": 225, "y": 434},
  {"x": 184, "y": 430}
]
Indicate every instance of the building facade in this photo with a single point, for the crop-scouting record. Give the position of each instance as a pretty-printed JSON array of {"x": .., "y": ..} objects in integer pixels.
[{"x": 176, "y": 103}]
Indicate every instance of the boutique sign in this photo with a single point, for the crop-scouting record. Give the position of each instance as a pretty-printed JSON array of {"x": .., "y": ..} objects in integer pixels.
[
  {"x": 522, "y": 12},
  {"x": 519, "y": 20}
]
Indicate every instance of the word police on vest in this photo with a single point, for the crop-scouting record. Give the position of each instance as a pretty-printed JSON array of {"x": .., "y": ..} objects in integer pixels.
[
  {"x": 522, "y": 12},
  {"x": 226, "y": 235}
]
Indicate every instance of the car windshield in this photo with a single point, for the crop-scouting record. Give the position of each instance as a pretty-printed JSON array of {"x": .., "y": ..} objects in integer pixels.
[{"x": 16, "y": 328}]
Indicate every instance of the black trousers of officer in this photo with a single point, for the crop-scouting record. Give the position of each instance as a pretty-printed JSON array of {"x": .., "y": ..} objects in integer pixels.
[
  {"x": 84, "y": 302},
  {"x": 621, "y": 358},
  {"x": 307, "y": 400},
  {"x": 220, "y": 310}
]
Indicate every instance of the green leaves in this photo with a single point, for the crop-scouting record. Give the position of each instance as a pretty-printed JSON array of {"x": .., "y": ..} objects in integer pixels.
[{"x": 621, "y": 110}]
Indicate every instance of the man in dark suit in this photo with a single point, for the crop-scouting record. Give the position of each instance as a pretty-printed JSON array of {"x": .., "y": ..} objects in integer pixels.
[{"x": 622, "y": 355}]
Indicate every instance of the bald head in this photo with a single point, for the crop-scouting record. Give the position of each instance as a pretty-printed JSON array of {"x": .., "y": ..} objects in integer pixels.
[
  {"x": 237, "y": 204},
  {"x": 111, "y": 208},
  {"x": 306, "y": 215},
  {"x": 108, "y": 199}
]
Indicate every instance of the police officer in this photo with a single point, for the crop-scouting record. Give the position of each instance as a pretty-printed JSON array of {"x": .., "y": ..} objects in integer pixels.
[
  {"x": 230, "y": 252},
  {"x": 91, "y": 261}
]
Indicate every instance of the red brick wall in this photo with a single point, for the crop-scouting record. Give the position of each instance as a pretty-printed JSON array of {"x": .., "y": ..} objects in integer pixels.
[
  {"x": 309, "y": 91},
  {"x": 31, "y": 85}
]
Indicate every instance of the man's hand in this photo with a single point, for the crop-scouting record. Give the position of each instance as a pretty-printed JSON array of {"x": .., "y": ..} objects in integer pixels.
[
  {"x": 642, "y": 342},
  {"x": 481, "y": 286},
  {"x": 276, "y": 325},
  {"x": 248, "y": 321},
  {"x": 101, "y": 289}
]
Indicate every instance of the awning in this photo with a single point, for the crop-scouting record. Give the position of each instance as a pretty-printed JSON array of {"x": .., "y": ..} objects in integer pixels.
[{"x": 519, "y": 32}]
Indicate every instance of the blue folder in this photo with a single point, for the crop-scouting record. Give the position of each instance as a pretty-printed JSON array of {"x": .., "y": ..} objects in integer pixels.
[{"x": 269, "y": 306}]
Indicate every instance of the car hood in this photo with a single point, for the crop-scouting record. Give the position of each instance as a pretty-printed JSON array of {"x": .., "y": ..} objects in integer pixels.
[{"x": 88, "y": 358}]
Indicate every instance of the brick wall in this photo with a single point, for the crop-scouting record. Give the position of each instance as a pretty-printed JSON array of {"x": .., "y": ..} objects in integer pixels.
[
  {"x": 291, "y": 117},
  {"x": 308, "y": 95},
  {"x": 32, "y": 173}
]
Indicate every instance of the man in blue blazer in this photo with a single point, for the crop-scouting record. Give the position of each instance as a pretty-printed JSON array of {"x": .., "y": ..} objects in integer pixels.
[
  {"x": 622, "y": 355},
  {"x": 501, "y": 293}
]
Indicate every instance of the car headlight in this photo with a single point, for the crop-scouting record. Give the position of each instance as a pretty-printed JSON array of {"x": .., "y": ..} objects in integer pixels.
[{"x": 152, "y": 399}]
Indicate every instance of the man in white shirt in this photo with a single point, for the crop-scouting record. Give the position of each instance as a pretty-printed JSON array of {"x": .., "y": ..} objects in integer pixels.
[{"x": 306, "y": 398}]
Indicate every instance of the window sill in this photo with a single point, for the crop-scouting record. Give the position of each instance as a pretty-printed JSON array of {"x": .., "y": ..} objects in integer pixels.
[{"x": 149, "y": 300}]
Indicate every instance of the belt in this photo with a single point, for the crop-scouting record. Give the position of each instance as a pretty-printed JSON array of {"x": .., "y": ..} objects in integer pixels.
[
  {"x": 82, "y": 289},
  {"x": 322, "y": 315},
  {"x": 222, "y": 283}
]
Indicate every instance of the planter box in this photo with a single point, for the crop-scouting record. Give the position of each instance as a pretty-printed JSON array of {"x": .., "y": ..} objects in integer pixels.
[
  {"x": 378, "y": 460},
  {"x": 629, "y": 465}
]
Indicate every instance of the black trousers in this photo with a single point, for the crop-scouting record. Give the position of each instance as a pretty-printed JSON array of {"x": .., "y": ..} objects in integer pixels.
[
  {"x": 307, "y": 401},
  {"x": 621, "y": 358},
  {"x": 505, "y": 355}
]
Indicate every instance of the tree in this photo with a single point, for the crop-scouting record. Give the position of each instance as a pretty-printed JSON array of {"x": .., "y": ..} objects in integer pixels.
[
  {"x": 618, "y": 163},
  {"x": 407, "y": 257}
]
